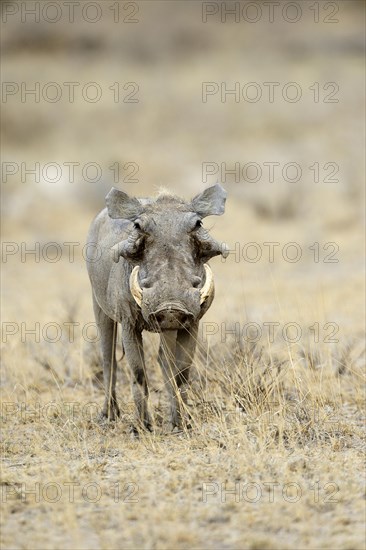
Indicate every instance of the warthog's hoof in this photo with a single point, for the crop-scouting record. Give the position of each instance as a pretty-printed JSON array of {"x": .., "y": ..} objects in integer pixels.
[
  {"x": 180, "y": 429},
  {"x": 110, "y": 412},
  {"x": 181, "y": 423},
  {"x": 135, "y": 432}
]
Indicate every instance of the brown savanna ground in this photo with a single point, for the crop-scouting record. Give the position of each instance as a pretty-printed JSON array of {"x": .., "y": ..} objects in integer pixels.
[{"x": 275, "y": 456}]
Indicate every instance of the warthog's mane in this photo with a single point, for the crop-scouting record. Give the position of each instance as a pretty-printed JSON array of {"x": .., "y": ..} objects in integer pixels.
[{"x": 163, "y": 199}]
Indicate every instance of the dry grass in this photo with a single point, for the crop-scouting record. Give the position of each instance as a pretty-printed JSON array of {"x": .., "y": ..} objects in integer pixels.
[
  {"x": 276, "y": 448},
  {"x": 275, "y": 455}
]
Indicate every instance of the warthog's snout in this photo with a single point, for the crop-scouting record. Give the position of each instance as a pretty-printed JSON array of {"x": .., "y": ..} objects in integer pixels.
[
  {"x": 206, "y": 291},
  {"x": 171, "y": 316}
]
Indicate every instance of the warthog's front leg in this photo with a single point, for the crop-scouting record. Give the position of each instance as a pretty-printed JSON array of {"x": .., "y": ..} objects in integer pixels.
[
  {"x": 133, "y": 346},
  {"x": 166, "y": 360},
  {"x": 108, "y": 334},
  {"x": 186, "y": 346},
  {"x": 175, "y": 357}
]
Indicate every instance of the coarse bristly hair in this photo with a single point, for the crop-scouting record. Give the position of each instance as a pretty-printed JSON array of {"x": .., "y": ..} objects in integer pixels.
[
  {"x": 163, "y": 191},
  {"x": 165, "y": 195}
]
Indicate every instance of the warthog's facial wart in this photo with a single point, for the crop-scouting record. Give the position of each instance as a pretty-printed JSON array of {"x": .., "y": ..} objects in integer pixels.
[{"x": 168, "y": 249}]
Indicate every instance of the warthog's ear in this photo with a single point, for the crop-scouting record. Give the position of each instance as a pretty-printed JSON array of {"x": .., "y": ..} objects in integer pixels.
[
  {"x": 120, "y": 205},
  {"x": 211, "y": 202}
]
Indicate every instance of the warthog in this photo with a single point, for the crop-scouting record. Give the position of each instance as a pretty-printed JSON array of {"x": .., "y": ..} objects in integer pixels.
[{"x": 149, "y": 271}]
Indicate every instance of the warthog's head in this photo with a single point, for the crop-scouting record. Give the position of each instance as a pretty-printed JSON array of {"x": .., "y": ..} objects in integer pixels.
[{"x": 168, "y": 249}]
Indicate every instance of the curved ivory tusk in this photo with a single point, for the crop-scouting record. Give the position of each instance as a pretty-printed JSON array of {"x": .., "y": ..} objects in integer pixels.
[
  {"x": 209, "y": 287},
  {"x": 135, "y": 288}
]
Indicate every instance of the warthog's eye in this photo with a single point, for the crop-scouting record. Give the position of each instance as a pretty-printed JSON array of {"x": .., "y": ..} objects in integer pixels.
[
  {"x": 198, "y": 224},
  {"x": 137, "y": 225}
]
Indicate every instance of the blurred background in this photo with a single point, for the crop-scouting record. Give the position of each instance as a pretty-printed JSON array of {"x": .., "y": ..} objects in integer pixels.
[{"x": 132, "y": 94}]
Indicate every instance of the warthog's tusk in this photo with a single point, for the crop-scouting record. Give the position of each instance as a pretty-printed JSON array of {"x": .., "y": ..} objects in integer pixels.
[
  {"x": 208, "y": 288},
  {"x": 135, "y": 288},
  {"x": 225, "y": 250}
]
